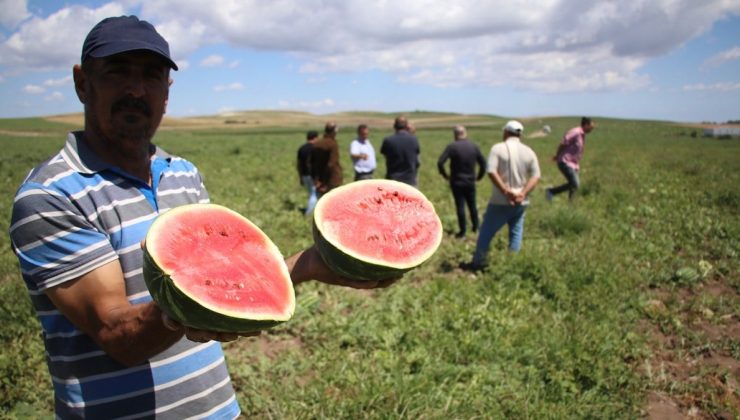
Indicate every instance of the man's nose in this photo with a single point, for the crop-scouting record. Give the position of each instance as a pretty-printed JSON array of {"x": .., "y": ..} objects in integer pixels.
[{"x": 135, "y": 85}]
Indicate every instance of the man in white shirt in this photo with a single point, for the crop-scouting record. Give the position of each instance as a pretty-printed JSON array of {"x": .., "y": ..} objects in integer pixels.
[
  {"x": 514, "y": 170},
  {"x": 363, "y": 154}
]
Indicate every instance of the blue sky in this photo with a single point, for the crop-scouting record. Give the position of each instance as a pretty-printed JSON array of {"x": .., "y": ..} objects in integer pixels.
[{"x": 675, "y": 60}]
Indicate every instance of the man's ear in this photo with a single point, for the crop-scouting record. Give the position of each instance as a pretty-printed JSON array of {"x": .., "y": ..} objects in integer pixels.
[
  {"x": 79, "y": 78},
  {"x": 167, "y": 98}
]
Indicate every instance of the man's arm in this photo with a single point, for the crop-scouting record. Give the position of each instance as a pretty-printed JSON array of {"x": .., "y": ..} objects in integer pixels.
[
  {"x": 96, "y": 303},
  {"x": 482, "y": 164},
  {"x": 501, "y": 185},
  {"x": 355, "y": 152},
  {"x": 441, "y": 162},
  {"x": 308, "y": 265},
  {"x": 531, "y": 184}
]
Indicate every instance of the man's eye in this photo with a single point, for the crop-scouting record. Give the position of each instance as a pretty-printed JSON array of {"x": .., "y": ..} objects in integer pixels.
[{"x": 116, "y": 70}]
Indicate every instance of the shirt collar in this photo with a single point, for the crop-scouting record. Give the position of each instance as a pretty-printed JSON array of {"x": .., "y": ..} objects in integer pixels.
[{"x": 81, "y": 157}]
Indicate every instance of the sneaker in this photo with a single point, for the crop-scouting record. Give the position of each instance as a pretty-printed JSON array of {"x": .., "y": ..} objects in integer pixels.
[
  {"x": 473, "y": 268},
  {"x": 548, "y": 194},
  {"x": 460, "y": 235}
]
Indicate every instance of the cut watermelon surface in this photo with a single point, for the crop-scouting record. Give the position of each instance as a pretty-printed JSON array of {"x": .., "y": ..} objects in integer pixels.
[{"x": 206, "y": 262}]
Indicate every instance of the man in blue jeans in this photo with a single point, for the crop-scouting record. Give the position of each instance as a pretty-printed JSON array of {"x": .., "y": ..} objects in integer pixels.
[
  {"x": 568, "y": 157},
  {"x": 514, "y": 171}
]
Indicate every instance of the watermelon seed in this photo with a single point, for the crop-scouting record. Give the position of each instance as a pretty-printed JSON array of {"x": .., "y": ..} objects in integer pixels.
[
  {"x": 380, "y": 188},
  {"x": 209, "y": 283}
]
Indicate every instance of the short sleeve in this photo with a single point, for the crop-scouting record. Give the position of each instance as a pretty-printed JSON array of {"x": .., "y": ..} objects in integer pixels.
[{"x": 54, "y": 242}]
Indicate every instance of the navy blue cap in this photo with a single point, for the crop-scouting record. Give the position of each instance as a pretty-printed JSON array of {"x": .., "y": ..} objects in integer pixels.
[{"x": 115, "y": 35}]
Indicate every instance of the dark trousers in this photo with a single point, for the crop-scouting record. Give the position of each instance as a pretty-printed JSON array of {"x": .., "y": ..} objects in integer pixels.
[
  {"x": 359, "y": 176},
  {"x": 572, "y": 184},
  {"x": 465, "y": 195}
]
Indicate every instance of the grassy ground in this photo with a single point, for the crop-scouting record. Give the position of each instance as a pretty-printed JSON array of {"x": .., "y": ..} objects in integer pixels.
[{"x": 621, "y": 305}]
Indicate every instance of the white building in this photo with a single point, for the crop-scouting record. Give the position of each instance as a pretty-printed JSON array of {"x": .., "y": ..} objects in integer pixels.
[{"x": 722, "y": 130}]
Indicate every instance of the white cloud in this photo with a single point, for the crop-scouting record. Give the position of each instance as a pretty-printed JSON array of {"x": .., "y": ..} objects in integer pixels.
[
  {"x": 715, "y": 87},
  {"x": 54, "y": 96},
  {"x": 34, "y": 89},
  {"x": 570, "y": 45},
  {"x": 64, "y": 81},
  {"x": 53, "y": 42},
  {"x": 542, "y": 45},
  {"x": 306, "y": 105},
  {"x": 722, "y": 57},
  {"x": 212, "y": 61},
  {"x": 229, "y": 87},
  {"x": 234, "y": 64},
  {"x": 13, "y": 12}
]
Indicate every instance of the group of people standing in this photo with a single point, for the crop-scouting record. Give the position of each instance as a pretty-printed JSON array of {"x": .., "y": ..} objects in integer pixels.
[
  {"x": 319, "y": 169},
  {"x": 514, "y": 170},
  {"x": 512, "y": 167}
]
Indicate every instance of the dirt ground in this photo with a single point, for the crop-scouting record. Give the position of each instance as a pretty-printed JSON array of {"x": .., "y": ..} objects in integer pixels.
[{"x": 691, "y": 369}]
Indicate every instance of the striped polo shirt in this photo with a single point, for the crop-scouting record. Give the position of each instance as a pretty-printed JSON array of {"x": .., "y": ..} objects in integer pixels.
[{"x": 75, "y": 213}]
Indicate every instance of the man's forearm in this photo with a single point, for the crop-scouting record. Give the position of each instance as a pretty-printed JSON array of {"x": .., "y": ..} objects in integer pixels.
[{"x": 135, "y": 333}]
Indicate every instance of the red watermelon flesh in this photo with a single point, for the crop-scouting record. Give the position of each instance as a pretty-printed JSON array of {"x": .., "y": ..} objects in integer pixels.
[
  {"x": 222, "y": 262},
  {"x": 383, "y": 223}
]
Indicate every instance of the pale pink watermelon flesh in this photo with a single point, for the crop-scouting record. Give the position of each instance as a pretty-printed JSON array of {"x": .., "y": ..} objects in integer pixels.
[
  {"x": 198, "y": 254},
  {"x": 381, "y": 223}
]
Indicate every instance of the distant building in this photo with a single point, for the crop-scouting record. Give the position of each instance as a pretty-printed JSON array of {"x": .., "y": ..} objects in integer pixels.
[{"x": 722, "y": 130}]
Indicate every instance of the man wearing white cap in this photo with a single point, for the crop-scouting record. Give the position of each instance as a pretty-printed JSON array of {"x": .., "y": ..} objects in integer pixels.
[{"x": 514, "y": 171}]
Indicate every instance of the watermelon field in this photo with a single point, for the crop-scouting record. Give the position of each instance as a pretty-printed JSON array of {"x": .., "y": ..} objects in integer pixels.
[{"x": 623, "y": 304}]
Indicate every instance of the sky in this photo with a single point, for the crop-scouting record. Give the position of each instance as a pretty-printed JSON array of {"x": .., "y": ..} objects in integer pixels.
[{"x": 675, "y": 60}]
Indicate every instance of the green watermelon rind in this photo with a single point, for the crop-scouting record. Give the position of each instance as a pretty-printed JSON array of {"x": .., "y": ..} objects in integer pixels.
[
  {"x": 350, "y": 266},
  {"x": 354, "y": 266},
  {"x": 186, "y": 310}
]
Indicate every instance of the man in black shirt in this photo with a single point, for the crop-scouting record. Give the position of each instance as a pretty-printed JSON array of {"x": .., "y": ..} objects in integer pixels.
[
  {"x": 401, "y": 152},
  {"x": 304, "y": 171},
  {"x": 463, "y": 156}
]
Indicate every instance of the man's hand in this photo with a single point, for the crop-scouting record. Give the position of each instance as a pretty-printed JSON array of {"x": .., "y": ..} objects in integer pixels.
[
  {"x": 308, "y": 265},
  {"x": 203, "y": 336}
]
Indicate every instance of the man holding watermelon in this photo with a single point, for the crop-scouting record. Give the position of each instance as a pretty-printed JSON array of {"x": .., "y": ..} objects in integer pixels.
[{"x": 77, "y": 225}]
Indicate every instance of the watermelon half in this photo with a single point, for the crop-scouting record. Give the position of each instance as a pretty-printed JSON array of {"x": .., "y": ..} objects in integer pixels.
[
  {"x": 375, "y": 229},
  {"x": 210, "y": 268}
]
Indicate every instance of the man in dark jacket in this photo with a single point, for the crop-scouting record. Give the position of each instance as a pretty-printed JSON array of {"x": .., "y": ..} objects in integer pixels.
[
  {"x": 304, "y": 170},
  {"x": 463, "y": 156},
  {"x": 401, "y": 151}
]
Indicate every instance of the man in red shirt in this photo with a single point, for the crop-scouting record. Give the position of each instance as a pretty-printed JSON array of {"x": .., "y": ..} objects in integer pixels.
[{"x": 568, "y": 157}]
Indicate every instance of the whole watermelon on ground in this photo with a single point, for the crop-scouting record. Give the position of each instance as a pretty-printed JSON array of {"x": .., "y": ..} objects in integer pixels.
[
  {"x": 375, "y": 229},
  {"x": 210, "y": 268}
]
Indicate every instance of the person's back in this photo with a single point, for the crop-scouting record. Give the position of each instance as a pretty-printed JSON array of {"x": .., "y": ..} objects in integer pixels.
[
  {"x": 325, "y": 167},
  {"x": 401, "y": 151},
  {"x": 464, "y": 155},
  {"x": 304, "y": 152},
  {"x": 517, "y": 163}
]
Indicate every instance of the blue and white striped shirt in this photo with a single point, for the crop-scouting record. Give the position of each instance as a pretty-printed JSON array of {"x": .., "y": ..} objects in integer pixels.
[{"x": 75, "y": 213}]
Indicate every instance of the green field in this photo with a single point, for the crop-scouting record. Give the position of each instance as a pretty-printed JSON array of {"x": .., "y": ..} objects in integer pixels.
[{"x": 619, "y": 305}]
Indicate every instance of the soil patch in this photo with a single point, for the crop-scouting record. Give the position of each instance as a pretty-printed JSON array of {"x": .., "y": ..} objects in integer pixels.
[{"x": 693, "y": 368}]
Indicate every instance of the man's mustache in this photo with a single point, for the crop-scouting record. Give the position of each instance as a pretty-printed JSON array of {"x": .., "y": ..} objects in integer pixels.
[{"x": 129, "y": 103}]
